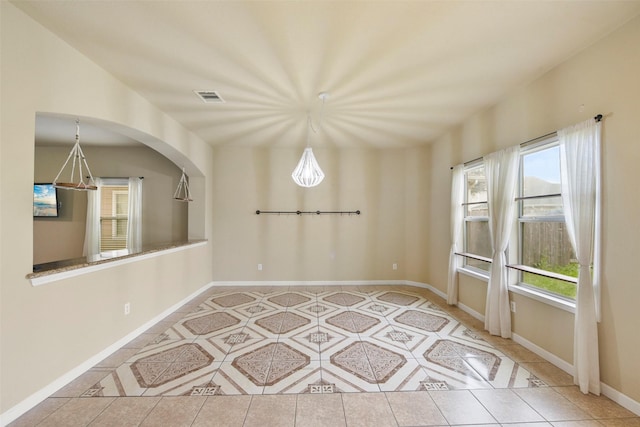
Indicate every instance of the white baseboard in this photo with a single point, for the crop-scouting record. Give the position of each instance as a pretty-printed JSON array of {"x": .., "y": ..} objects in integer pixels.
[
  {"x": 310, "y": 283},
  {"x": 37, "y": 397},
  {"x": 621, "y": 399},
  {"x": 471, "y": 311},
  {"x": 613, "y": 394},
  {"x": 549, "y": 357}
]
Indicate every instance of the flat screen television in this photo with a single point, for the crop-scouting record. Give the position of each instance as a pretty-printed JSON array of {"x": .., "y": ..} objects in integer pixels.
[{"x": 45, "y": 200}]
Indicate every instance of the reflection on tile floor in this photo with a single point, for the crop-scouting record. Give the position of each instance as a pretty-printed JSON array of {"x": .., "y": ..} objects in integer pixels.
[
  {"x": 280, "y": 342},
  {"x": 314, "y": 356}
]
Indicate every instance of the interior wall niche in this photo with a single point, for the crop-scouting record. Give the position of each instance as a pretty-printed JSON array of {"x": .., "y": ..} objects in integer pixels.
[{"x": 165, "y": 221}]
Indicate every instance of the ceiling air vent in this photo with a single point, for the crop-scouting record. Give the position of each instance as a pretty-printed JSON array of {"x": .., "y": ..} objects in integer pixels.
[{"x": 209, "y": 96}]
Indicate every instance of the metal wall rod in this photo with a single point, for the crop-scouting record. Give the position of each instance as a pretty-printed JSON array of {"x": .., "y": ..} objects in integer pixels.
[
  {"x": 258, "y": 212},
  {"x": 597, "y": 118}
]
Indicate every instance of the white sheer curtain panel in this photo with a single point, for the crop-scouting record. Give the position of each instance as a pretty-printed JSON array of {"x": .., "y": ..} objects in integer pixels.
[
  {"x": 134, "y": 216},
  {"x": 501, "y": 169},
  {"x": 457, "y": 217},
  {"x": 91, "y": 246},
  {"x": 580, "y": 169}
]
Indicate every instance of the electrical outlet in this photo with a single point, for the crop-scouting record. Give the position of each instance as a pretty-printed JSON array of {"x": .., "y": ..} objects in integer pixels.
[
  {"x": 127, "y": 308},
  {"x": 513, "y": 306},
  {"x": 259, "y": 267},
  {"x": 394, "y": 266}
]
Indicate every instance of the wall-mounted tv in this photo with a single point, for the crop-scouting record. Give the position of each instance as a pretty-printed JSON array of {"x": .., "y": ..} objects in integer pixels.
[{"x": 45, "y": 200}]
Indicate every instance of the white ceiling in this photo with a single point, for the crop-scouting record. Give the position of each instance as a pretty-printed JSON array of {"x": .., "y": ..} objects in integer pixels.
[{"x": 400, "y": 73}]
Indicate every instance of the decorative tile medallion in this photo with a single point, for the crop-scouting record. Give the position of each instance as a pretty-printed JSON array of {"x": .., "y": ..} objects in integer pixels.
[
  {"x": 271, "y": 363},
  {"x": 321, "y": 388},
  {"x": 160, "y": 338},
  {"x": 343, "y": 299},
  {"x": 205, "y": 391},
  {"x": 318, "y": 337},
  {"x": 422, "y": 320},
  {"x": 236, "y": 338},
  {"x": 92, "y": 391},
  {"x": 378, "y": 308},
  {"x": 471, "y": 334},
  {"x": 317, "y": 308},
  {"x": 165, "y": 366},
  {"x": 450, "y": 354},
  {"x": 255, "y": 309},
  {"x": 289, "y": 300},
  {"x": 536, "y": 382},
  {"x": 233, "y": 300},
  {"x": 434, "y": 385},
  {"x": 397, "y": 298},
  {"x": 281, "y": 323},
  {"x": 399, "y": 336},
  {"x": 210, "y": 323},
  {"x": 368, "y": 361}
]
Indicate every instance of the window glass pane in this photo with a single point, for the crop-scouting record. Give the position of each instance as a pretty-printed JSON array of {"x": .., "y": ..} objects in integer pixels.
[
  {"x": 546, "y": 245},
  {"x": 114, "y": 204},
  {"x": 476, "y": 185},
  {"x": 541, "y": 172},
  {"x": 476, "y": 263},
  {"x": 547, "y": 206},
  {"x": 560, "y": 287},
  {"x": 477, "y": 239},
  {"x": 480, "y": 209}
]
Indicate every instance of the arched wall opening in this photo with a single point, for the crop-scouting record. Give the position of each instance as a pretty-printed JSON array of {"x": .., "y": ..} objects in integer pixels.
[{"x": 116, "y": 151}]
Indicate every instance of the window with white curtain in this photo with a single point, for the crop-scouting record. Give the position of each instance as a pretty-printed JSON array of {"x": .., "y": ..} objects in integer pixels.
[
  {"x": 114, "y": 207},
  {"x": 546, "y": 259},
  {"x": 477, "y": 242}
]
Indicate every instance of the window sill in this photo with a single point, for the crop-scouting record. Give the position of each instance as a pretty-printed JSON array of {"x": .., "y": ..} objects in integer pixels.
[
  {"x": 65, "y": 272},
  {"x": 526, "y": 291}
]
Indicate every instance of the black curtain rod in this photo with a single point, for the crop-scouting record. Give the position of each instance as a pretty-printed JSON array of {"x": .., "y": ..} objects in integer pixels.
[
  {"x": 597, "y": 118},
  {"x": 258, "y": 212}
]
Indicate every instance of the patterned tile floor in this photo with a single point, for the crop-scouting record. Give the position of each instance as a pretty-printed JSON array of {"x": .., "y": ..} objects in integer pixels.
[{"x": 338, "y": 343}]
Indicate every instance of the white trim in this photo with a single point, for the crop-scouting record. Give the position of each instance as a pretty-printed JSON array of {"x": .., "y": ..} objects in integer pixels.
[
  {"x": 474, "y": 274},
  {"x": 543, "y": 297},
  {"x": 471, "y": 311},
  {"x": 549, "y": 357},
  {"x": 21, "y": 408},
  {"x": 608, "y": 391},
  {"x": 621, "y": 399},
  {"x": 110, "y": 263}
]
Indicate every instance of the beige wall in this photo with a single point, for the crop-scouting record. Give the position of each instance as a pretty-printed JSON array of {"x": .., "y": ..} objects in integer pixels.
[
  {"x": 403, "y": 195},
  {"x": 164, "y": 220},
  {"x": 40, "y": 326},
  {"x": 602, "y": 79},
  {"x": 387, "y": 186}
]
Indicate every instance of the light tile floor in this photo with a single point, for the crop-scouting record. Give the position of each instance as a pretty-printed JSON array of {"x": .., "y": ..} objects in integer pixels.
[{"x": 323, "y": 356}]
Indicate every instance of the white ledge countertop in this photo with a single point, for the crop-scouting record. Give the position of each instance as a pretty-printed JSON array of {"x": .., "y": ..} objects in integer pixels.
[{"x": 57, "y": 270}]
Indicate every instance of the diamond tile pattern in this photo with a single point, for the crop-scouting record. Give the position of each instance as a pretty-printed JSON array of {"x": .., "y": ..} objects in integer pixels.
[
  {"x": 283, "y": 342},
  {"x": 210, "y": 323}
]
